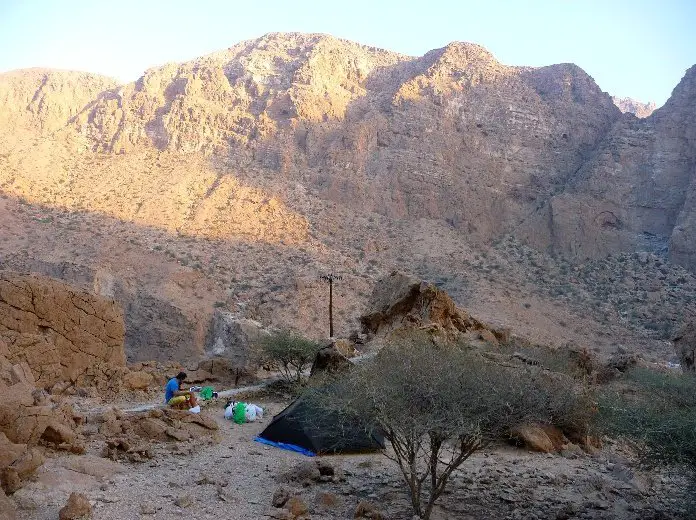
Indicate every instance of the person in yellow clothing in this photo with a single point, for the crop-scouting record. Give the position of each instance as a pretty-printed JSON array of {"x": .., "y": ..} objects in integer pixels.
[{"x": 177, "y": 398}]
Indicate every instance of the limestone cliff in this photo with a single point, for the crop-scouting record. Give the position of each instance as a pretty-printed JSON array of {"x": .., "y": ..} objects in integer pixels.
[
  {"x": 635, "y": 192},
  {"x": 224, "y": 146},
  {"x": 637, "y": 108}
]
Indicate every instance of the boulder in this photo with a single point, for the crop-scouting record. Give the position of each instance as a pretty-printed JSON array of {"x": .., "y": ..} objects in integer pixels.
[
  {"x": 400, "y": 301},
  {"x": 280, "y": 497},
  {"x": 533, "y": 437},
  {"x": 296, "y": 506},
  {"x": 235, "y": 340},
  {"x": 329, "y": 361},
  {"x": 137, "y": 380},
  {"x": 77, "y": 507},
  {"x": 366, "y": 509}
]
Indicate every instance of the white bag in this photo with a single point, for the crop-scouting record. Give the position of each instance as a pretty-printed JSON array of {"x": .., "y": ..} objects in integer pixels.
[
  {"x": 195, "y": 409},
  {"x": 250, "y": 413},
  {"x": 229, "y": 412}
]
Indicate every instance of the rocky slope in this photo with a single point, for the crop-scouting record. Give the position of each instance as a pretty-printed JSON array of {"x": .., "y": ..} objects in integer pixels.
[{"x": 233, "y": 180}]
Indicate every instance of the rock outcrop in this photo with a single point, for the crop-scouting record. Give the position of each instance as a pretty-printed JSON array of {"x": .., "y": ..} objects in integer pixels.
[
  {"x": 232, "y": 345},
  {"x": 29, "y": 417},
  {"x": 59, "y": 332},
  {"x": 685, "y": 346},
  {"x": 400, "y": 301}
]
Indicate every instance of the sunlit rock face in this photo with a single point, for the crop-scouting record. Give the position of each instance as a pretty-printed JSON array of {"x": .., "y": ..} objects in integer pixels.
[{"x": 224, "y": 145}]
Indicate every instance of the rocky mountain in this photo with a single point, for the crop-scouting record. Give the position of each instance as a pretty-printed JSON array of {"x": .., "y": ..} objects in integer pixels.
[
  {"x": 233, "y": 179},
  {"x": 632, "y": 106},
  {"x": 635, "y": 192},
  {"x": 453, "y": 135}
]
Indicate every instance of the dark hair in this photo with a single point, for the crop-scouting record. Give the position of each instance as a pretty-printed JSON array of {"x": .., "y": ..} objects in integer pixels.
[{"x": 181, "y": 376}]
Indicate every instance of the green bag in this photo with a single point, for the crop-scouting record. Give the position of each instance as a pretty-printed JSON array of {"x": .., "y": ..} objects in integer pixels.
[
  {"x": 207, "y": 393},
  {"x": 239, "y": 413}
]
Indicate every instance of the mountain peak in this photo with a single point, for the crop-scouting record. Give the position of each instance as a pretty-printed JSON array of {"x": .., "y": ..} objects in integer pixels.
[{"x": 632, "y": 106}]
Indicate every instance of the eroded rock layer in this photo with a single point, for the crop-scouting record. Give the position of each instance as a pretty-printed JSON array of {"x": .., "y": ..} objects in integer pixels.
[{"x": 58, "y": 331}]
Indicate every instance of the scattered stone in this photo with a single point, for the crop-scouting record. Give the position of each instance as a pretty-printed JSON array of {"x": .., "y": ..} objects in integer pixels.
[
  {"x": 224, "y": 494},
  {"x": 280, "y": 497},
  {"x": 147, "y": 508},
  {"x": 367, "y": 509},
  {"x": 184, "y": 501},
  {"x": 296, "y": 506},
  {"x": 305, "y": 472},
  {"x": 327, "y": 500}
]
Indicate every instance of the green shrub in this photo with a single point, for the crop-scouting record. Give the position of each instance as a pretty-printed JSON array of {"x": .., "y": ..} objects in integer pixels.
[
  {"x": 439, "y": 404},
  {"x": 657, "y": 411},
  {"x": 291, "y": 352}
]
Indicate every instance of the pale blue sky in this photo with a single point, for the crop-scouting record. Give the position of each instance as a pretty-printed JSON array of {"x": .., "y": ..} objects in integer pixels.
[{"x": 636, "y": 48}]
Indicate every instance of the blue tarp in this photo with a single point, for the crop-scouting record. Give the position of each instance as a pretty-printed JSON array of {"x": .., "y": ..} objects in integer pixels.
[{"x": 286, "y": 446}]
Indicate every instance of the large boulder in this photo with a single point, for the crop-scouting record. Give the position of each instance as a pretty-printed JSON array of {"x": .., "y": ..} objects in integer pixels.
[
  {"x": 400, "y": 301},
  {"x": 231, "y": 345},
  {"x": 57, "y": 330},
  {"x": 77, "y": 507}
]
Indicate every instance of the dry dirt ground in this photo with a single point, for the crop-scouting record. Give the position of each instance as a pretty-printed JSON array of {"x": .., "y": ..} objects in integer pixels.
[{"x": 233, "y": 477}]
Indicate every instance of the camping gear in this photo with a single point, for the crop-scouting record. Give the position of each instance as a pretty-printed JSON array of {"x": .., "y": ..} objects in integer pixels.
[
  {"x": 207, "y": 393},
  {"x": 195, "y": 409},
  {"x": 307, "y": 428},
  {"x": 251, "y": 412},
  {"x": 239, "y": 415}
]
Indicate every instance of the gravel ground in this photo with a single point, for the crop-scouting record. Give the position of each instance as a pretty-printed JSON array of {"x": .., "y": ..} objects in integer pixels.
[{"x": 233, "y": 477}]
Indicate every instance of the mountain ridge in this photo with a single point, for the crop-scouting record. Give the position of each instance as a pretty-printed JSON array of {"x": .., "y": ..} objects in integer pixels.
[
  {"x": 512, "y": 136},
  {"x": 229, "y": 181}
]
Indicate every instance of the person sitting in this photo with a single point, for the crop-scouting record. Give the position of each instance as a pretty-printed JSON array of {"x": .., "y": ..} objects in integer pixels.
[{"x": 177, "y": 398}]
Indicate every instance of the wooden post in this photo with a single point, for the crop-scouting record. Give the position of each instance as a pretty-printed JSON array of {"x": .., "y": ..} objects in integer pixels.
[{"x": 330, "y": 278}]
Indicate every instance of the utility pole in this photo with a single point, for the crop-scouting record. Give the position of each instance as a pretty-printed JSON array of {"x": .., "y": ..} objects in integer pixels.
[{"x": 330, "y": 278}]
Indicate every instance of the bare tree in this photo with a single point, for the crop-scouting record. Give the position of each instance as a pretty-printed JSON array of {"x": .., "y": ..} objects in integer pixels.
[{"x": 439, "y": 405}]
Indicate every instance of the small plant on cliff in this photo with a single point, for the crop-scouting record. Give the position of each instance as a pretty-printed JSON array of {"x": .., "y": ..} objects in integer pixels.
[
  {"x": 291, "y": 352},
  {"x": 438, "y": 405}
]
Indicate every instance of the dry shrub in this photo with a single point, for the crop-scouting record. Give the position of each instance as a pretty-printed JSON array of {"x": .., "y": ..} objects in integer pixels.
[{"x": 439, "y": 404}]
